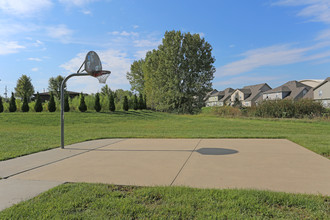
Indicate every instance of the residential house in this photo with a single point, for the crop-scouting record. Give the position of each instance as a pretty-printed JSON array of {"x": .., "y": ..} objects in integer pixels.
[
  {"x": 291, "y": 90},
  {"x": 249, "y": 95},
  {"x": 219, "y": 98},
  {"x": 45, "y": 96},
  {"x": 206, "y": 98},
  {"x": 322, "y": 93}
]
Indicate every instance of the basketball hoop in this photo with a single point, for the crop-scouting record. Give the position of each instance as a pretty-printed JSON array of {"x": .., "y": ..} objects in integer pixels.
[{"x": 93, "y": 67}]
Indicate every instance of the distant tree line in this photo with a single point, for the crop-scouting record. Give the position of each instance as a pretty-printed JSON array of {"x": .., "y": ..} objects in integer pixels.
[{"x": 106, "y": 100}]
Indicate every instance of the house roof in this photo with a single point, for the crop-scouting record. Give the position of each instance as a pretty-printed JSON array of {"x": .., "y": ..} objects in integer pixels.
[
  {"x": 226, "y": 94},
  {"x": 293, "y": 87},
  {"x": 322, "y": 83},
  {"x": 254, "y": 90},
  {"x": 288, "y": 87},
  {"x": 211, "y": 93},
  {"x": 311, "y": 82}
]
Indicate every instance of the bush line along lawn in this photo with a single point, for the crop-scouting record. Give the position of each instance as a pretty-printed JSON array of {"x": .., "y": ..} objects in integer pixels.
[
  {"x": 26, "y": 133},
  {"x": 98, "y": 201}
]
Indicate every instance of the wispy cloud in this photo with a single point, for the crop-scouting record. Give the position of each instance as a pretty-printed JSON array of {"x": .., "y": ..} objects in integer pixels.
[
  {"x": 61, "y": 32},
  {"x": 34, "y": 59},
  {"x": 76, "y": 2},
  {"x": 147, "y": 43},
  {"x": 86, "y": 12},
  {"x": 269, "y": 56},
  {"x": 124, "y": 33},
  {"x": 35, "y": 69},
  {"x": 8, "y": 47},
  {"x": 273, "y": 56},
  {"x": 9, "y": 28},
  {"x": 23, "y": 7},
  {"x": 316, "y": 10},
  {"x": 324, "y": 35},
  {"x": 283, "y": 54}
]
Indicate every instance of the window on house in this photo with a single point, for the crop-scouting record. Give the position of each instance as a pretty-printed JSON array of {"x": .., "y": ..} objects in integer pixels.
[{"x": 320, "y": 93}]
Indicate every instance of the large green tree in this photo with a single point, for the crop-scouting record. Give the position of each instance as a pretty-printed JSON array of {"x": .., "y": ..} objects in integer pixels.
[
  {"x": 136, "y": 76},
  {"x": 178, "y": 74},
  {"x": 54, "y": 85},
  {"x": 24, "y": 87}
]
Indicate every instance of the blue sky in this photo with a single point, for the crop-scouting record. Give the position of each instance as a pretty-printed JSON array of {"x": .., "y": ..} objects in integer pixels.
[{"x": 255, "y": 41}]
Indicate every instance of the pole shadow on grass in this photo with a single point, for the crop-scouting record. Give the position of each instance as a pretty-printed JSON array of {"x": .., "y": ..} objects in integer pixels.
[{"x": 203, "y": 151}]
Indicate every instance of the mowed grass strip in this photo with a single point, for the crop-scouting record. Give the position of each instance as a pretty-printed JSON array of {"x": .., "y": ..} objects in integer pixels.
[
  {"x": 26, "y": 133},
  {"x": 98, "y": 201}
]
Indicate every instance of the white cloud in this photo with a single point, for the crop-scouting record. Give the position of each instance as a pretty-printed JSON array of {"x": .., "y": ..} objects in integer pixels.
[
  {"x": 124, "y": 33},
  {"x": 86, "y": 12},
  {"x": 9, "y": 28},
  {"x": 8, "y": 47},
  {"x": 141, "y": 54},
  {"x": 34, "y": 59},
  {"x": 147, "y": 43},
  {"x": 115, "y": 61},
  {"x": 60, "y": 32},
  {"x": 317, "y": 10},
  {"x": 76, "y": 2},
  {"x": 324, "y": 35},
  {"x": 24, "y": 7},
  {"x": 135, "y": 26},
  {"x": 269, "y": 56},
  {"x": 272, "y": 56},
  {"x": 35, "y": 69}
]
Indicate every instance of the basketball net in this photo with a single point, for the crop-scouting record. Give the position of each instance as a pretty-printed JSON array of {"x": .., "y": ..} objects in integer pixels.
[{"x": 102, "y": 75}]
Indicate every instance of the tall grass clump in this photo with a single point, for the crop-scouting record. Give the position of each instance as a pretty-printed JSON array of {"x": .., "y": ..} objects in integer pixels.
[
  {"x": 224, "y": 111},
  {"x": 290, "y": 109}
]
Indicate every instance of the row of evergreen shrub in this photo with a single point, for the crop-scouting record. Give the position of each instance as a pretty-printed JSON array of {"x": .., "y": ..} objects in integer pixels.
[{"x": 82, "y": 103}]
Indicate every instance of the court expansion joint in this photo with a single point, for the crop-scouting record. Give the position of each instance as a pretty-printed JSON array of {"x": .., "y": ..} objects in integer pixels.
[{"x": 184, "y": 164}]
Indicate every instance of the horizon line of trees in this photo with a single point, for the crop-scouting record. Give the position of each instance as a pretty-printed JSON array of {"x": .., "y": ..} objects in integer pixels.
[{"x": 107, "y": 100}]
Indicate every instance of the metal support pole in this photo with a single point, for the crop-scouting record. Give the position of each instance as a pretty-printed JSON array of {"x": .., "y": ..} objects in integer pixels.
[{"x": 62, "y": 103}]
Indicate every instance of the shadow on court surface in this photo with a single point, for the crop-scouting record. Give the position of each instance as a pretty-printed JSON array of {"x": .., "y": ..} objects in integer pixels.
[{"x": 203, "y": 151}]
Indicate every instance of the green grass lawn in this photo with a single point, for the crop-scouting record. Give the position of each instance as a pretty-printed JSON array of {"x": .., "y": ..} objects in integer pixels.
[
  {"x": 26, "y": 133},
  {"x": 98, "y": 201}
]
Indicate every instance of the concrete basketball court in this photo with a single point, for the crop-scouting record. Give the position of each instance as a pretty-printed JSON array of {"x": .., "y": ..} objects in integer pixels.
[{"x": 264, "y": 164}]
